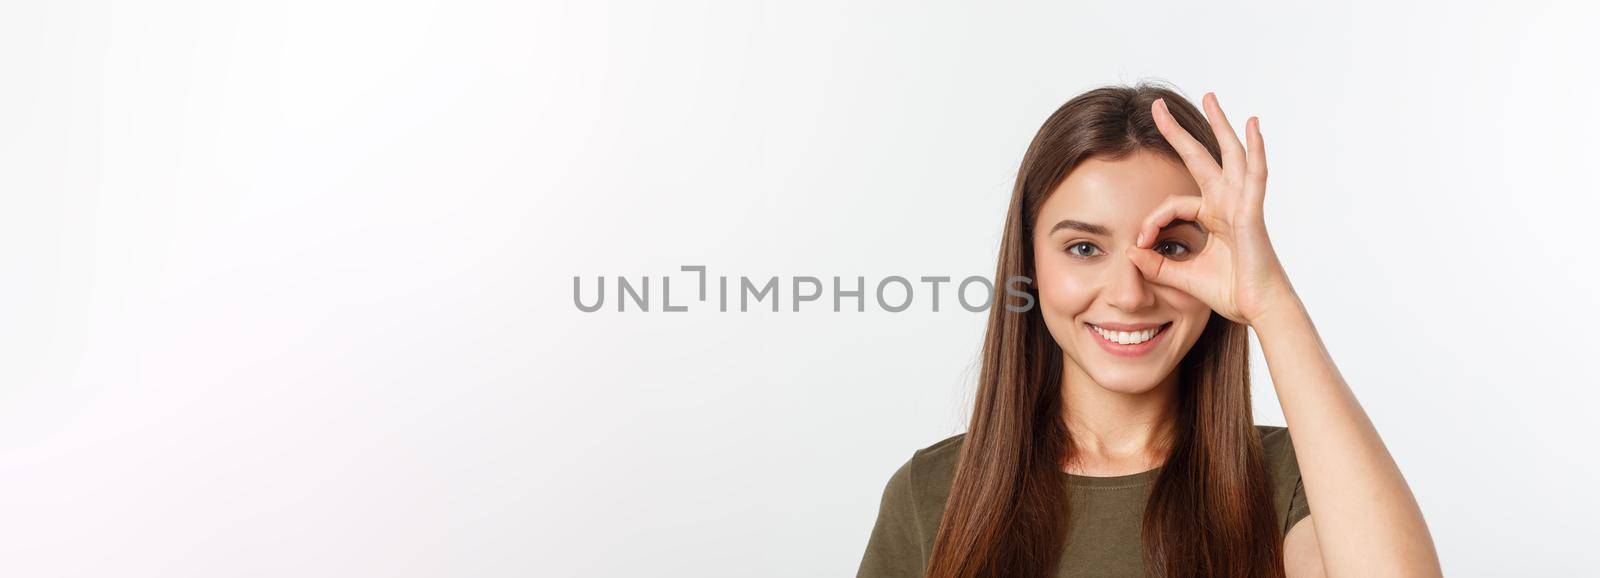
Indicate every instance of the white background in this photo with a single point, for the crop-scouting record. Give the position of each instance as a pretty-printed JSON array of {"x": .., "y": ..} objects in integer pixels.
[{"x": 288, "y": 285}]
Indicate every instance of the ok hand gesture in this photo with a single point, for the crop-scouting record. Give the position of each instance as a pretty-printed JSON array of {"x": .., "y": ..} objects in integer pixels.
[{"x": 1237, "y": 273}]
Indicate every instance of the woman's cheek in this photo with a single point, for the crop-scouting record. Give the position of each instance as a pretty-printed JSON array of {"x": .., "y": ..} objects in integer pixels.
[
  {"x": 1064, "y": 294},
  {"x": 1188, "y": 304}
]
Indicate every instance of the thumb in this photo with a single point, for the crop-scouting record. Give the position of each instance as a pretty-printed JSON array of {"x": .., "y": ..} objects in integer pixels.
[{"x": 1156, "y": 268}]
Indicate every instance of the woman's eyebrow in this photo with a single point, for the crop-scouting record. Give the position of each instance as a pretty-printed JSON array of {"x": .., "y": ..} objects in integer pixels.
[
  {"x": 1094, "y": 229},
  {"x": 1089, "y": 228}
]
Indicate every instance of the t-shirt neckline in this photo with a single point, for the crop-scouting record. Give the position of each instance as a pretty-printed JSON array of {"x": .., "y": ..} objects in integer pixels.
[{"x": 1126, "y": 480}]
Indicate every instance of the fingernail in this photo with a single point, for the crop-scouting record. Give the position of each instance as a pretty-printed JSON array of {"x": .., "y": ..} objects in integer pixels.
[{"x": 1140, "y": 241}]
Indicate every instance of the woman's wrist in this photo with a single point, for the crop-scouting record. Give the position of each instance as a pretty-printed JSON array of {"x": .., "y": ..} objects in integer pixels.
[{"x": 1283, "y": 306}]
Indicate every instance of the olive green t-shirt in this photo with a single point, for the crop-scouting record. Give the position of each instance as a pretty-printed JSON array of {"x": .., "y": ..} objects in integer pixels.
[{"x": 1103, "y": 535}]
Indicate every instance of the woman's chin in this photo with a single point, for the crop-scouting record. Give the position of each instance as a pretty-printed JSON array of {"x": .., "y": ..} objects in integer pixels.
[{"x": 1129, "y": 385}]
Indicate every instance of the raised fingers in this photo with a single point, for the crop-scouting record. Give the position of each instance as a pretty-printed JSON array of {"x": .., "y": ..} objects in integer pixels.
[
  {"x": 1233, "y": 154},
  {"x": 1194, "y": 155},
  {"x": 1256, "y": 170},
  {"x": 1185, "y": 207}
]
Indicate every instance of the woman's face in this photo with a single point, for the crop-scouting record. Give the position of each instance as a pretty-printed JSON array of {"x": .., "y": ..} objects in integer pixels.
[{"x": 1085, "y": 281}]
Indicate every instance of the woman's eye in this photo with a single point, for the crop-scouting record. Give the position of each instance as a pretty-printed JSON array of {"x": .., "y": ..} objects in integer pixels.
[
  {"x": 1179, "y": 250},
  {"x": 1073, "y": 249}
]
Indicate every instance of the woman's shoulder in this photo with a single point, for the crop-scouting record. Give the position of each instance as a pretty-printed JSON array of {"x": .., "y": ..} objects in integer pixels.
[
  {"x": 949, "y": 446},
  {"x": 909, "y": 512},
  {"x": 929, "y": 471},
  {"x": 1288, "y": 491},
  {"x": 938, "y": 457},
  {"x": 938, "y": 460},
  {"x": 1276, "y": 443},
  {"x": 1279, "y": 450},
  {"x": 1274, "y": 431}
]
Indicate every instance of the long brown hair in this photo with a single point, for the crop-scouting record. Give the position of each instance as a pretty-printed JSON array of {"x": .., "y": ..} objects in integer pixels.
[{"x": 1210, "y": 511}]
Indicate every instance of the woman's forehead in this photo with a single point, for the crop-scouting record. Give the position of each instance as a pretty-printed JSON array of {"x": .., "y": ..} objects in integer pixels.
[{"x": 1133, "y": 184}]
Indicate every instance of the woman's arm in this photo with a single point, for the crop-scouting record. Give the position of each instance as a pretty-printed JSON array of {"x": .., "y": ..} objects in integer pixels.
[{"x": 1367, "y": 523}]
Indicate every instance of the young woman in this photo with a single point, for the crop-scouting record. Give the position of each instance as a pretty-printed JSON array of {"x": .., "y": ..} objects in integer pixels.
[{"x": 1112, "y": 433}]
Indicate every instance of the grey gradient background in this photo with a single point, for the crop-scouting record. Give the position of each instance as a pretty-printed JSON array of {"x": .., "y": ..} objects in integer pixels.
[{"x": 287, "y": 285}]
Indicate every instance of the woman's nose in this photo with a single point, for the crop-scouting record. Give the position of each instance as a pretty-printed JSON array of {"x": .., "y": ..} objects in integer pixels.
[{"x": 1126, "y": 288}]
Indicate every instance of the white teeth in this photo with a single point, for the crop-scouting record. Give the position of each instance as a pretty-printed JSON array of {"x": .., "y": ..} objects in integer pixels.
[{"x": 1126, "y": 337}]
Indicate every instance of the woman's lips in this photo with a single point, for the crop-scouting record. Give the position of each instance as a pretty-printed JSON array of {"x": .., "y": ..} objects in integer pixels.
[{"x": 1129, "y": 350}]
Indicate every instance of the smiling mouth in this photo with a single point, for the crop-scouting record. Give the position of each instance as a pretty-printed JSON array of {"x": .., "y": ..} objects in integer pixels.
[{"x": 1129, "y": 337}]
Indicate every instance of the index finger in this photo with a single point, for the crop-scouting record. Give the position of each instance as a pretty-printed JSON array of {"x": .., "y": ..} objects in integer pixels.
[{"x": 1194, "y": 155}]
